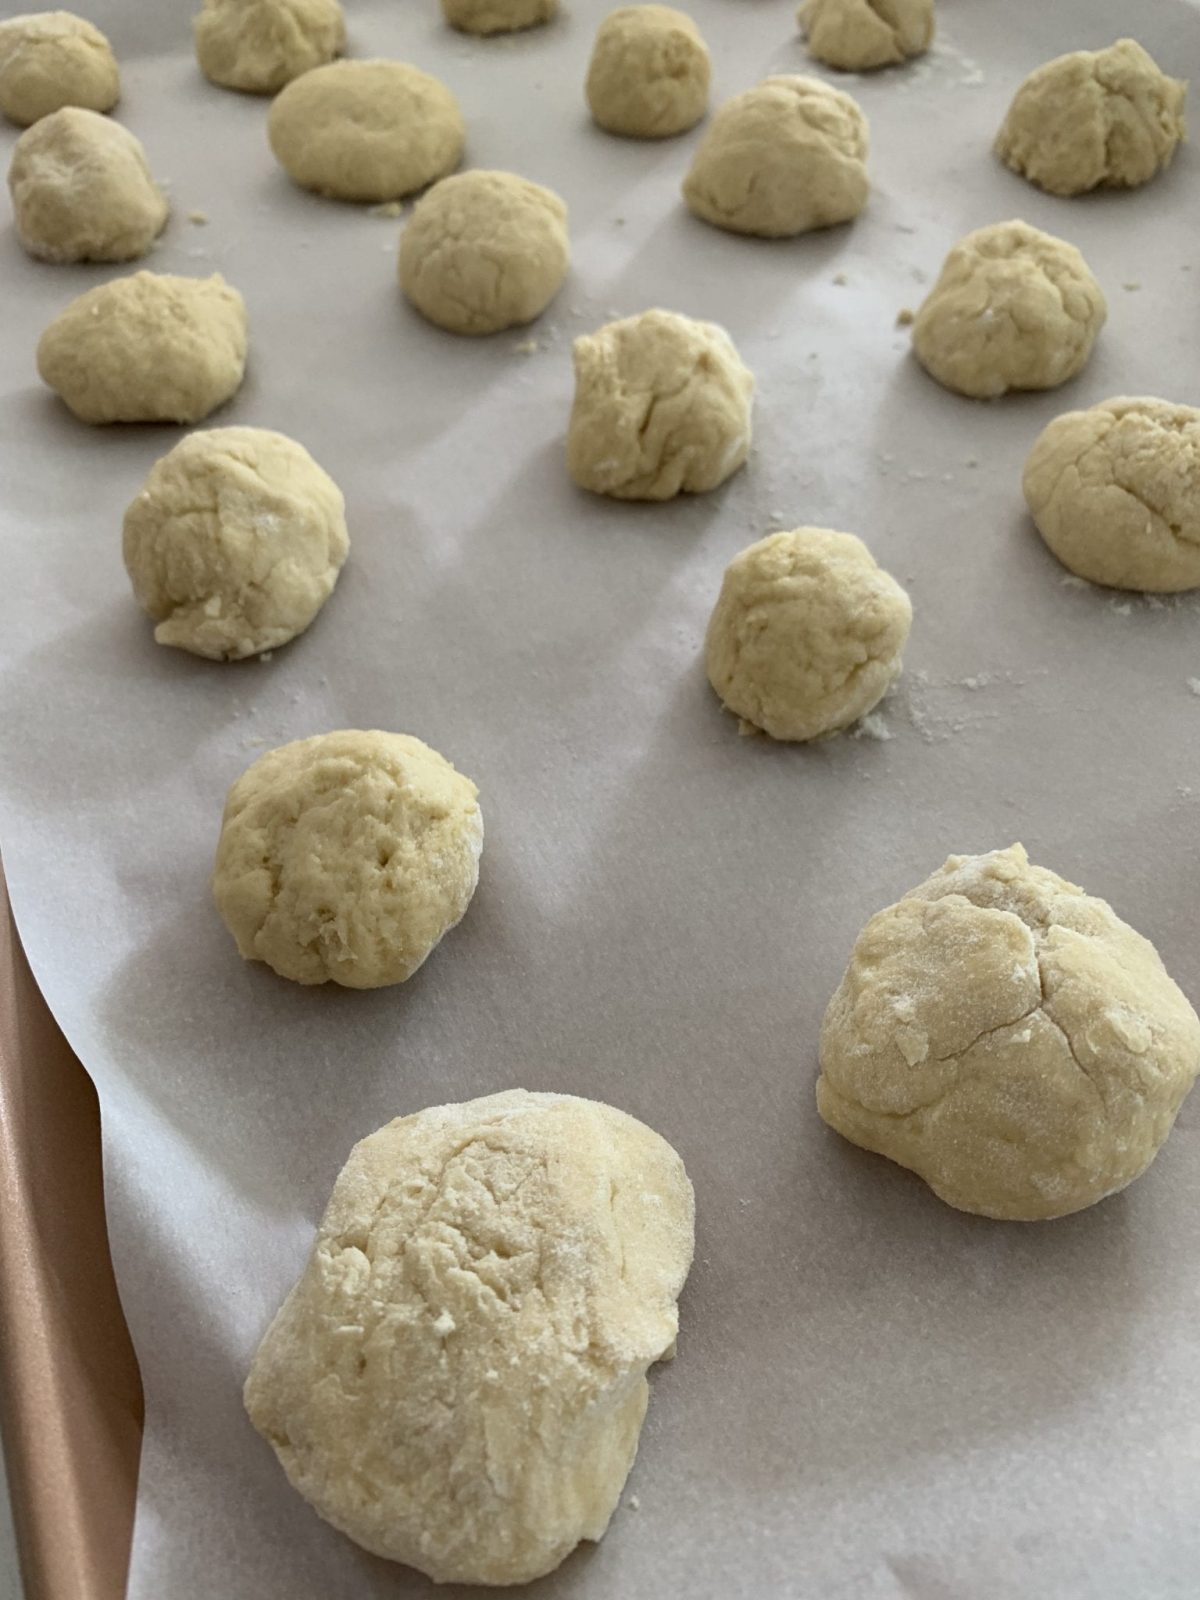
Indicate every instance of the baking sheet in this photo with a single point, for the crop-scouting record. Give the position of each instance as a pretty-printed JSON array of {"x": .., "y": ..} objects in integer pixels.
[{"x": 874, "y": 1396}]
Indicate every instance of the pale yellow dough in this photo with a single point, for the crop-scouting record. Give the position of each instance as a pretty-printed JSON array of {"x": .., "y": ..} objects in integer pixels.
[
  {"x": 649, "y": 73},
  {"x": 861, "y": 35},
  {"x": 50, "y": 59},
  {"x": 497, "y": 16},
  {"x": 259, "y": 45}
]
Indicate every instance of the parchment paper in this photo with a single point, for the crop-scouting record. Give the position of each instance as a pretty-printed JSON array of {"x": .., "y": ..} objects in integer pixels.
[{"x": 875, "y": 1397}]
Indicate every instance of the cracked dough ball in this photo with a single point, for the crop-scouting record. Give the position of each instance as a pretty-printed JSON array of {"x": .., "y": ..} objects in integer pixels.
[
  {"x": 497, "y": 16},
  {"x": 259, "y": 45},
  {"x": 1013, "y": 308},
  {"x": 458, "y": 1380},
  {"x": 347, "y": 857},
  {"x": 807, "y": 633},
  {"x": 860, "y": 35},
  {"x": 147, "y": 348},
  {"x": 1008, "y": 1038},
  {"x": 81, "y": 190},
  {"x": 366, "y": 130},
  {"x": 235, "y": 542},
  {"x": 662, "y": 407},
  {"x": 51, "y": 59},
  {"x": 649, "y": 73},
  {"x": 1094, "y": 118},
  {"x": 484, "y": 251}
]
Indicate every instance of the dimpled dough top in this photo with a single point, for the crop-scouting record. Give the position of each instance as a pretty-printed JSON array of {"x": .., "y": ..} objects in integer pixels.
[
  {"x": 497, "y": 16},
  {"x": 649, "y": 73},
  {"x": 50, "y": 59},
  {"x": 1008, "y": 1038},
  {"x": 860, "y": 35},
  {"x": 458, "y": 1380},
  {"x": 259, "y": 45}
]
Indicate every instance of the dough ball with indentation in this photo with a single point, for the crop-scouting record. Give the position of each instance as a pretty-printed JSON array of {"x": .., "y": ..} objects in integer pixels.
[
  {"x": 807, "y": 633},
  {"x": 458, "y": 1379},
  {"x": 484, "y": 251},
  {"x": 781, "y": 159},
  {"x": 151, "y": 347},
  {"x": 347, "y": 857},
  {"x": 861, "y": 35},
  {"x": 497, "y": 16},
  {"x": 259, "y": 45},
  {"x": 1013, "y": 308},
  {"x": 366, "y": 130},
  {"x": 649, "y": 73},
  {"x": 235, "y": 542},
  {"x": 1094, "y": 118},
  {"x": 50, "y": 59},
  {"x": 662, "y": 407},
  {"x": 1008, "y": 1038}
]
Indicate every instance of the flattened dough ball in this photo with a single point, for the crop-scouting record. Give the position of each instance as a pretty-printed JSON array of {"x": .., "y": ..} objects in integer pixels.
[
  {"x": 366, "y": 130},
  {"x": 781, "y": 159},
  {"x": 497, "y": 16},
  {"x": 662, "y": 407},
  {"x": 1013, "y": 308},
  {"x": 807, "y": 633},
  {"x": 347, "y": 857},
  {"x": 259, "y": 45},
  {"x": 458, "y": 1379},
  {"x": 50, "y": 59},
  {"x": 151, "y": 347},
  {"x": 484, "y": 251},
  {"x": 861, "y": 35},
  {"x": 1094, "y": 118},
  {"x": 649, "y": 73},
  {"x": 1008, "y": 1038}
]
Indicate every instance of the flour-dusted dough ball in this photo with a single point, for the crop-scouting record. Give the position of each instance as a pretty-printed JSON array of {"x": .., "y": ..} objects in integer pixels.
[
  {"x": 497, "y": 16},
  {"x": 781, "y": 159},
  {"x": 1008, "y": 1038},
  {"x": 151, "y": 347},
  {"x": 649, "y": 73},
  {"x": 458, "y": 1379},
  {"x": 1013, "y": 308},
  {"x": 259, "y": 45},
  {"x": 662, "y": 407},
  {"x": 860, "y": 35},
  {"x": 366, "y": 130},
  {"x": 1094, "y": 118},
  {"x": 50, "y": 59},
  {"x": 484, "y": 251}
]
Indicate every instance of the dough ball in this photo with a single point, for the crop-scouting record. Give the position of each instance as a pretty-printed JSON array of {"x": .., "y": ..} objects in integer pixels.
[
  {"x": 259, "y": 45},
  {"x": 781, "y": 159},
  {"x": 807, "y": 633},
  {"x": 860, "y": 35},
  {"x": 366, "y": 130},
  {"x": 1094, "y": 118},
  {"x": 484, "y": 251},
  {"x": 50, "y": 59},
  {"x": 81, "y": 190},
  {"x": 235, "y": 542},
  {"x": 1008, "y": 1038},
  {"x": 662, "y": 407},
  {"x": 458, "y": 1379},
  {"x": 649, "y": 73},
  {"x": 497, "y": 16},
  {"x": 1013, "y": 308},
  {"x": 347, "y": 857}
]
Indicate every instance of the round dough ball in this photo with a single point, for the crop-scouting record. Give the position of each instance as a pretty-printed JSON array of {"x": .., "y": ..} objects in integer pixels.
[
  {"x": 860, "y": 35},
  {"x": 259, "y": 45},
  {"x": 347, "y": 857},
  {"x": 1013, "y": 308},
  {"x": 497, "y": 16},
  {"x": 51, "y": 59},
  {"x": 484, "y": 251},
  {"x": 366, "y": 130},
  {"x": 1008, "y": 1038},
  {"x": 781, "y": 159},
  {"x": 649, "y": 73},
  {"x": 82, "y": 191},
  {"x": 235, "y": 542},
  {"x": 1094, "y": 118},
  {"x": 147, "y": 348},
  {"x": 458, "y": 1379},
  {"x": 807, "y": 633},
  {"x": 662, "y": 407}
]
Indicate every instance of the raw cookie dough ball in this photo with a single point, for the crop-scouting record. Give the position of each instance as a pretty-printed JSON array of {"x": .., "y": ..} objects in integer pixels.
[
  {"x": 458, "y": 1379},
  {"x": 81, "y": 190},
  {"x": 50, "y": 59},
  {"x": 235, "y": 542},
  {"x": 347, "y": 857},
  {"x": 649, "y": 73},
  {"x": 259, "y": 45},
  {"x": 860, "y": 35},
  {"x": 484, "y": 251},
  {"x": 1013, "y": 308},
  {"x": 662, "y": 407},
  {"x": 497, "y": 16},
  {"x": 366, "y": 130},
  {"x": 1092, "y": 118},
  {"x": 781, "y": 159},
  {"x": 1008, "y": 1038},
  {"x": 807, "y": 633}
]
